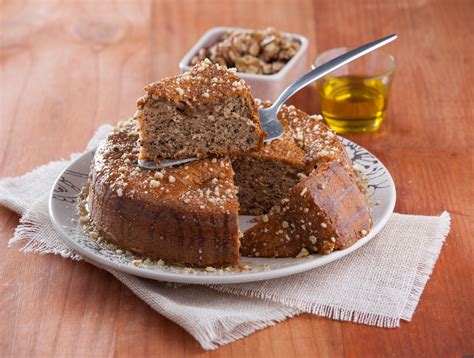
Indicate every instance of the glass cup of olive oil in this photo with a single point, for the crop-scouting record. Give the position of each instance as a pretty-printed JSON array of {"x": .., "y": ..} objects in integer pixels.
[{"x": 354, "y": 98}]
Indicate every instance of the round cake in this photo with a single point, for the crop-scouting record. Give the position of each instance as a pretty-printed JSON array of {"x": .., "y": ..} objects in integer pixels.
[{"x": 188, "y": 214}]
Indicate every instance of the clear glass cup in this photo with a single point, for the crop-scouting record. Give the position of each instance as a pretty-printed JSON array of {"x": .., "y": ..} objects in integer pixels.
[{"x": 354, "y": 98}]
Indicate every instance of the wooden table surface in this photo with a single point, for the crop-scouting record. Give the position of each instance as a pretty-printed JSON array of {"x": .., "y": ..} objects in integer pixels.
[{"x": 69, "y": 66}]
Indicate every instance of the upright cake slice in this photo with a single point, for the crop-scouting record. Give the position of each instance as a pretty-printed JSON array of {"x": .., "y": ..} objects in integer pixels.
[
  {"x": 323, "y": 212},
  {"x": 207, "y": 111},
  {"x": 266, "y": 175}
]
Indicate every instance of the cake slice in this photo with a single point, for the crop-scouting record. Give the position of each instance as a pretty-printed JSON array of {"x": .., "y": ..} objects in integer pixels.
[
  {"x": 266, "y": 175},
  {"x": 207, "y": 111},
  {"x": 323, "y": 212}
]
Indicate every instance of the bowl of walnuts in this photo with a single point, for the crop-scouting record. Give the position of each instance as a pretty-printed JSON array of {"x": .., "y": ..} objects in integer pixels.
[{"x": 268, "y": 60}]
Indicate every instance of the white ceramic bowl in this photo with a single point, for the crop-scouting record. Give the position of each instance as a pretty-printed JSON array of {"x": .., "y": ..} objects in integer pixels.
[{"x": 263, "y": 86}]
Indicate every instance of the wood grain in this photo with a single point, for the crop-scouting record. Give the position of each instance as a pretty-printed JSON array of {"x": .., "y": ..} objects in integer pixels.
[{"x": 68, "y": 66}]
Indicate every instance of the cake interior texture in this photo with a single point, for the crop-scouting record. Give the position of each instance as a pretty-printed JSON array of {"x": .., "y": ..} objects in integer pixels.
[
  {"x": 261, "y": 182},
  {"x": 176, "y": 129}
]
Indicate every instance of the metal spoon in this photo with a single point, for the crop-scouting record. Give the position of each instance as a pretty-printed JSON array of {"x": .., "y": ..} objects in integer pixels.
[{"x": 268, "y": 116}]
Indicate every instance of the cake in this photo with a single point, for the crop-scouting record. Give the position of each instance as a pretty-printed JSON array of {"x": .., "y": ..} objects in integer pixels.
[
  {"x": 186, "y": 215},
  {"x": 302, "y": 186},
  {"x": 323, "y": 212},
  {"x": 206, "y": 111}
]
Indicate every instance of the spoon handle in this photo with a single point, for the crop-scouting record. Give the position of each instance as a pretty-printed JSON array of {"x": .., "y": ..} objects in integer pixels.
[{"x": 328, "y": 67}]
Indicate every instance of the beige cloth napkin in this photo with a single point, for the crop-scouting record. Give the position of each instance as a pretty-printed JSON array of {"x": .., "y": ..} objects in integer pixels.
[{"x": 379, "y": 284}]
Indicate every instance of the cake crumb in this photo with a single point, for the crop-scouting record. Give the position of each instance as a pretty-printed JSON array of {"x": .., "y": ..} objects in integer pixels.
[{"x": 303, "y": 253}]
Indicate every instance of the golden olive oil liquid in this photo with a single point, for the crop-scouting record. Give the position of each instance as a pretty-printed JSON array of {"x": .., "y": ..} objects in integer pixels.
[{"x": 353, "y": 103}]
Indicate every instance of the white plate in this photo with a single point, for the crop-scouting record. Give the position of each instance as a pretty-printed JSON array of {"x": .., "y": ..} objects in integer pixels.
[{"x": 63, "y": 212}]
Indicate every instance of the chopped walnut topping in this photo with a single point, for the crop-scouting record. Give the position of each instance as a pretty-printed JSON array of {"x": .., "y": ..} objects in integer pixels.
[
  {"x": 171, "y": 179},
  {"x": 303, "y": 253},
  {"x": 265, "y": 218},
  {"x": 316, "y": 117},
  {"x": 303, "y": 192},
  {"x": 179, "y": 90},
  {"x": 154, "y": 184},
  {"x": 324, "y": 225}
]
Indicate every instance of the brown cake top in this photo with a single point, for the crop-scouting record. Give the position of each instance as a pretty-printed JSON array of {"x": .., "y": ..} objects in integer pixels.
[
  {"x": 306, "y": 140},
  {"x": 200, "y": 186},
  {"x": 205, "y": 82}
]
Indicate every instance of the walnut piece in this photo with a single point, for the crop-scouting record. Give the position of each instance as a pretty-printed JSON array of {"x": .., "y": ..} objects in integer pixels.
[{"x": 260, "y": 51}]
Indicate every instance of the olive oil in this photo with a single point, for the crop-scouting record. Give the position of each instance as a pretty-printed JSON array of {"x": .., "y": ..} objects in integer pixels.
[{"x": 353, "y": 103}]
